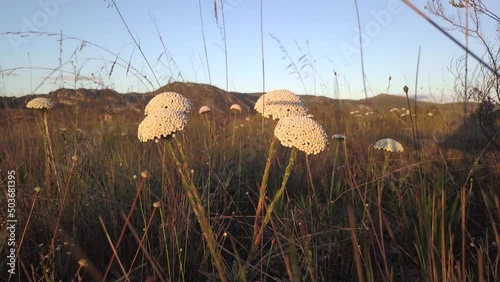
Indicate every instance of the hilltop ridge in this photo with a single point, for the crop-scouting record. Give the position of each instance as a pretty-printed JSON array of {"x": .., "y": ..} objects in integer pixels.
[{"x": 110, "y": 101}]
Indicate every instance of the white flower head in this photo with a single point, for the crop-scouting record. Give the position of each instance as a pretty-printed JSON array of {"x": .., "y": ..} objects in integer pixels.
[
  {"x": 339, "y": 137},
  {"x": 168, "y": 100},
  {"x": 161, "y": 123},
  {"x": 40, "y": 103},
  {"x": 235, "y": 108},
  {"x": 278, "y": 104},
  {"x": 302, "y": 133},
  {"x": 204, "y": 110},
  {"x": 389, "y": 145}
]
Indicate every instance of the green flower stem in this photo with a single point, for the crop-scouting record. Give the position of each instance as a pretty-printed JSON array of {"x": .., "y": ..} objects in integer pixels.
[
  {"x": 281, "y": 191},
  {"x": 198, "y": 208},
  {"x": 185, "y": 165},
  {"x": 277, "y": 198},
  {"x": 263, "y": 187},
  {"x": 163, "y": 229},
  {"x": 48, "y": 172},
  {"x": 332, "y": 182},
  {"x": 380, "y": 190},
  {"x": 49, "y": 155}
]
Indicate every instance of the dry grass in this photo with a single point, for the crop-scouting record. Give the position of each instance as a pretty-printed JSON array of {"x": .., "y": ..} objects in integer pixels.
[{"x": 409, "y": 220}]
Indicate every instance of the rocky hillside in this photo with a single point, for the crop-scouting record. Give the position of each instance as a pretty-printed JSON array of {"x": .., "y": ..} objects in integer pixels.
[{"x": 112, "y": 102}]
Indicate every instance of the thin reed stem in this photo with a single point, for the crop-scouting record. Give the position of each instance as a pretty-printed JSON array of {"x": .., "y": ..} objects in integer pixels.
[
  {"x": 114, "y": 249},
  {"x": 142, "y": 238},
  {"x": 167, "y": 253},
  {"x": 63, "y": 202},
  {"x": 144, "y": 175},
  {"x": 48, "y": 156},
  {"x": 204, "y": 43},
  {"x": 355, "y": 244},
  {"x": 310, "y": 177},
  {"x": 241, "y": 270},
  {"x": 153, "y": 73},
  {"x": 77, "y": 274},
  {"x": 361, "y": 49},
  {"x": 434, "y": 24},
  {"x": 37, "y": 191},
  {"x": 334, "y": 169},
  {"x": 152, "y": 262},
  {"x": 262, "y": 47},
  {"x": 198, "y": 208}
]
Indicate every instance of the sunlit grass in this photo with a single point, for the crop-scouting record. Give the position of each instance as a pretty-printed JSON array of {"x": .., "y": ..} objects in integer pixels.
[{"x": 405, "y": 225}]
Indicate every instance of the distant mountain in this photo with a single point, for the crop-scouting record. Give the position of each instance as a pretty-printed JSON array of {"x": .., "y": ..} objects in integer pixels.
[
  {"x": 105, "y": 103},
  {"x": 384, "y": 101},
  {"x": 208, "y": 95},
  {"x": 112, "y": 102}
]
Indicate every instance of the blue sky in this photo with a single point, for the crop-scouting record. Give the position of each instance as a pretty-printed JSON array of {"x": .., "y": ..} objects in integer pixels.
[{"x": 324, "y": 31}]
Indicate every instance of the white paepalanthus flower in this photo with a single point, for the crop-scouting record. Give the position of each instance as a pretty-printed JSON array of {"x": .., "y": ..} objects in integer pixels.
[
  {"x": 235, "y": 108},
  {"x": 40, "y": 103},
  {"x": 301, "y": 132},
  {"x": 204, "y": 110},
  {"x": 169, "y": 100},
  {"x": 339, "y": 137},
  {"x": 278, "y": 104},
  {"x": 161, "y": 123},
  {"x": 389, "y": 145}
]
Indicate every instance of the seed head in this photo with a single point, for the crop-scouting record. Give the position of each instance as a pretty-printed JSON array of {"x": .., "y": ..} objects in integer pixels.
[
  {"x": 83, "y": 263},
  {"x": 38, "y": 189},
  {"x": 144, "y": 174},
  {"x": 157, "y": 204}
]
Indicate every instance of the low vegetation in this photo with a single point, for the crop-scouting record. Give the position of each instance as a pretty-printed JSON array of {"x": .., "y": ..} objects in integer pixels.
[{"x": 117, "y": 208}]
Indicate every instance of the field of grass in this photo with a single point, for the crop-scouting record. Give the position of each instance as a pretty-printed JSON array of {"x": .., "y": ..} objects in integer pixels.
[{"x": 350, "y": 213}]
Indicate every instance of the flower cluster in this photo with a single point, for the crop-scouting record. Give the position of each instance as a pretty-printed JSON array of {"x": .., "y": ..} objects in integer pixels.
[
  {"x": 161, "y": 123},
  {"x": 168, "y": 100},
  {"x": 389, "y": 145},
  {"x": 204, "y": 110},
  {"x": 278, "y": 104},
  {"x": 302, "y": 133},
  {"x": 235, "y": 108},
  {"x": 339, "y": 137},
  {"x": 40, "y": 103}
]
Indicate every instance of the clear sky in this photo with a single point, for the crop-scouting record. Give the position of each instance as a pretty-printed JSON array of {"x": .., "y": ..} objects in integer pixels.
[{"x": 324, "y": 31}]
